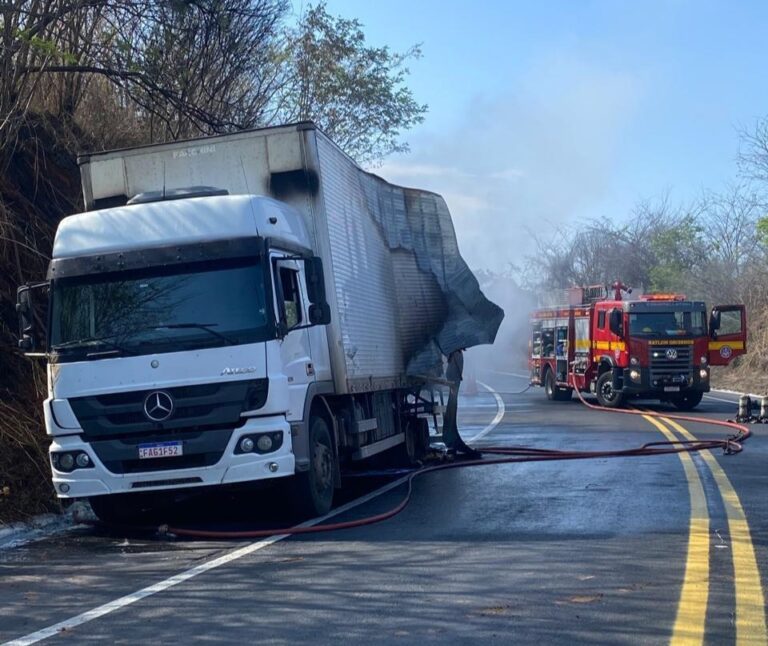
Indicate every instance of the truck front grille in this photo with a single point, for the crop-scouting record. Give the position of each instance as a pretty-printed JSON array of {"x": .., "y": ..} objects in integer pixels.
[
  {"x": 671, "y": 363},
  {"x": 198, "y": 407}
]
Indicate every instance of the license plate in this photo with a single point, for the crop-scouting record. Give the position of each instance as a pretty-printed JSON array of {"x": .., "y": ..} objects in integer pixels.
[
  {"x": 671, "y": 389},
  {"x": 160, "y": 450}
]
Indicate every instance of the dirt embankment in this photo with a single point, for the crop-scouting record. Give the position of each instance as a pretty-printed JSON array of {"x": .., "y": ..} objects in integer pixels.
[{"x": 38, "y": 186}]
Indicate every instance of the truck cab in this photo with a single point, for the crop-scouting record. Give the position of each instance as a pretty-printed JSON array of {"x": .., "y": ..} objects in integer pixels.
[
  {"x": 661, "y": 346},
  {"x": 180, "y": 341}
]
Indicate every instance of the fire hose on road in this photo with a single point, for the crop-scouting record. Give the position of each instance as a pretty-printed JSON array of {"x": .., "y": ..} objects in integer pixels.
[{"x": 508, "y": 455}]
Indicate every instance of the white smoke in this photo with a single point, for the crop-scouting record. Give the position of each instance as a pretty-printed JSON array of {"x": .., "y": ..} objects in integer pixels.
[
  {"x": 527, "y": 159},
  {"x": 523, "y": 162}
]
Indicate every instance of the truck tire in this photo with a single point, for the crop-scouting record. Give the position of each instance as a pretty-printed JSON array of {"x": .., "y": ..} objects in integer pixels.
[
  {"x": 688, "y": 401},
  {"x": 126, "y": 509},
  {"x": 416, "y": 440},
  {"x": 606, "y": 395},
  {"x": 312, "y": 490},
  {"x": 553, "y": 392}
]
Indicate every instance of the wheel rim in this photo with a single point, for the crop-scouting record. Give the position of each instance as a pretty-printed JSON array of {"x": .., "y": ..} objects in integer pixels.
[
  {"x": 607, "y": 391},
  {"x": 323, "y": 467}
]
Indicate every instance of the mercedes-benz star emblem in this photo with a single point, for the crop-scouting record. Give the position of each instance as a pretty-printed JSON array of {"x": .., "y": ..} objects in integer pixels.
[
  {"x": 158, "y": 406},
  {"x": 671, "y": 354}
]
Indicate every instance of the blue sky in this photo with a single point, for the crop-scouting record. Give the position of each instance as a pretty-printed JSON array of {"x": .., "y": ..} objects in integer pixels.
[{"x": 546, "y": 113}]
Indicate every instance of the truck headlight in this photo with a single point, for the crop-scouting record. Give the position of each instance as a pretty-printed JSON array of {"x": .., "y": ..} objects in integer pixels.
[
  {"x": 264, "y": 444},
  {"x": 703, "y": 361},
  {"x": 70, "y": 460},
  {"x": 634, "y": 375},
  {"x": 703, "y": 374},
  {"x": 66, "y": 462},
  {"x": 634, "y": 361},
  {"x": 260, "y": 443}
]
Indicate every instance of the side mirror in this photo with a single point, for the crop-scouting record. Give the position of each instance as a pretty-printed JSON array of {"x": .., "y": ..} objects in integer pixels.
[
  {"x": 319, "y": 314},
  {"x": 319, "y": 310},
  {"x": 615, "y": 323},
  {"x": 313, "y": 268},
  {"x": 26, "y": 318},
  {"x": 31, "y": 318},
  {"x": 714, "y": 323}
]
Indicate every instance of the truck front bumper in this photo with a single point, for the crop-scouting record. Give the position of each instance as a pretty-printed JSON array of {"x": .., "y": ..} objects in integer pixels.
[
  {"x": 231, "y": 468},
  {"x": 664, "y": 386}
]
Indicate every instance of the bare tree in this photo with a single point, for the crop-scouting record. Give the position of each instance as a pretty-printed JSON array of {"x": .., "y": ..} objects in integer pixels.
[
  {"x": 753, "y": 151},
  {"x": 730, "y": 229},
  {"x": 187, "y": 66}
]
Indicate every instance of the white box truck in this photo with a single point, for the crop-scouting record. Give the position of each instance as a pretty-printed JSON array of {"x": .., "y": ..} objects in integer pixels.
[{"x": 239, "y": 308}]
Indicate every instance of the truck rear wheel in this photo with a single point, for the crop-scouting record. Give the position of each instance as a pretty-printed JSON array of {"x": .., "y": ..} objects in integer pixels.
[
  {"x": 553, "y": 392},
  {"x": 312, "y": 490},
  {"x": 688, "y": 401},
  {"x": 607, "y": 395}
]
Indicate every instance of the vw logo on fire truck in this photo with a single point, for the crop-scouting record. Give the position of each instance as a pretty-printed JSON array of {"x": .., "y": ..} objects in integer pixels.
[
  {"x": 158, "y": 406},
  {"x": 671, "y": 354}
]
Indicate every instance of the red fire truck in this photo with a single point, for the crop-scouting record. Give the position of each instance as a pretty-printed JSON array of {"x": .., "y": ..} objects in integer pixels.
[{"x": 655, "y": 346}]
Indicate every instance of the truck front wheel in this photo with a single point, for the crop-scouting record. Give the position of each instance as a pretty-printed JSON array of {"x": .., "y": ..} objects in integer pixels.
[
  {"x": 127, "y": 508},
  {"x": 312, "y": 491},
  {"x": 607, "y": 395},
  {"x": 689, "y": 401}
]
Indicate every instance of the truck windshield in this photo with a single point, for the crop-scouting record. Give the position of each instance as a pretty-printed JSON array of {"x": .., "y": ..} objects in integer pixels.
[
  {"x": 159, "y": 310},
  {"x": 667, "y": 324}
]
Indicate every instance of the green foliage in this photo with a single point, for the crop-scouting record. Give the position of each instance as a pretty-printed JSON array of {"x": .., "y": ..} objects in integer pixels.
[
  {"x": 355, "y": 92},
  {"x": 762, "y": 230},
  {"x": 676, "y": 248}
]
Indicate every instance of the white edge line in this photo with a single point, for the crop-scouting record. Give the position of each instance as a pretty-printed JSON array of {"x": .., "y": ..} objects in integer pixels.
[
  {"x": 720, "y": 399},
  {"x": 734, "y": 392},
  {"x": 500, "y": 412},
  {"x": 186, "y": 575},
  {"x": 511, "y": 374}
]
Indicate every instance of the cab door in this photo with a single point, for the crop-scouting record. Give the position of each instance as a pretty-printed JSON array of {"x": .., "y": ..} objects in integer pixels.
[
  {"x": 295, "y": 349},
  {"x": 727, "y": 334}
]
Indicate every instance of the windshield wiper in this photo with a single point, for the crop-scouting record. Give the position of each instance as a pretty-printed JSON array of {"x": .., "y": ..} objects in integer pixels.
[
  {"x": 197, "y": 326},
  {"x": 103, "y": 340}
]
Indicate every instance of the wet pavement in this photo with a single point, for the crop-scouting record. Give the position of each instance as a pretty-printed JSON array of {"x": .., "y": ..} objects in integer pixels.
[{"x": 595, "y": 551}]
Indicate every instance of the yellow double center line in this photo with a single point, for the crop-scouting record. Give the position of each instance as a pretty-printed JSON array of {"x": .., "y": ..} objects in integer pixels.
[{"x": 690, "y": 622}]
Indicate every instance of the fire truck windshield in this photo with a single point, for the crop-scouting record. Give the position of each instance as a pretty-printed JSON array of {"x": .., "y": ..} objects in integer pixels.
[{"x": 667, "y": 324}]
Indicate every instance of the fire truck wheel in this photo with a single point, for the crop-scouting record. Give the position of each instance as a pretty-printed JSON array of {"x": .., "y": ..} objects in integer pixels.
[
  {"x": 553, "y": 392},
  {"x": 606, "y": 395},
  {"x": 689, "y": 401}
]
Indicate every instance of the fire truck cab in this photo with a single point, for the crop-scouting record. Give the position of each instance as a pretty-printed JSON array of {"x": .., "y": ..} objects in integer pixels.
[{"x": 655, "y": 346}]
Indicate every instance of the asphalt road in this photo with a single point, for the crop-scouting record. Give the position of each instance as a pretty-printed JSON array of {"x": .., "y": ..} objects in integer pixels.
[{"x": 632, "y": 550}]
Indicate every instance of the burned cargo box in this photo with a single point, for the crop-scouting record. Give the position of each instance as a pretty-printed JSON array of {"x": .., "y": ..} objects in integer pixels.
[{"x": 401, "y": 295}]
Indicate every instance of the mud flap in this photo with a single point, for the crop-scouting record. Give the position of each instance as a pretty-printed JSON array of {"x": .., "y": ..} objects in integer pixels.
[{"x": 618, "y": 379}]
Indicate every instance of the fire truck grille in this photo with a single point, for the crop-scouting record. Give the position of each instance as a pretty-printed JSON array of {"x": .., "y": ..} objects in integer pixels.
[{"x": 670, "y": 363}]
